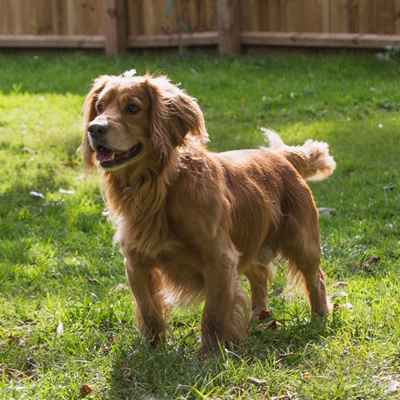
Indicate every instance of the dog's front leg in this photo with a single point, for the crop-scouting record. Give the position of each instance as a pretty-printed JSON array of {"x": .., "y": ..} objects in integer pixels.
[
  {"x": 226, "y": 310},
  {"x": 145, "y": 282}
]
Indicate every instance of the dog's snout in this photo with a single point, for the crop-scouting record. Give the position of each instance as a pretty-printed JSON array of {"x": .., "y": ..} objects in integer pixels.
[{"x": 97, "y": 129}]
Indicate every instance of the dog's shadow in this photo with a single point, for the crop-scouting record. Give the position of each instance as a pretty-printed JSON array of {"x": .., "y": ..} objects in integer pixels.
[{"x": 176, "y": 369}]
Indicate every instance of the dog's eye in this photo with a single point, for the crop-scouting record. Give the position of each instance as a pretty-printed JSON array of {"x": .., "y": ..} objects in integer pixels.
[
  {"x": 99, "y": 108},
  {"x": 132, "y": 108}
]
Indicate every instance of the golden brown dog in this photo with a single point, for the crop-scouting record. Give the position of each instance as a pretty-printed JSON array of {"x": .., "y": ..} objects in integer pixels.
[{"x": 189, "y": 221}]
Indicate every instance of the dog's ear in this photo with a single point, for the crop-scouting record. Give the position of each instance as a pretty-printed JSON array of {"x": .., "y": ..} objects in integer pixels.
[
  {"x": 174, "y": 114},
  {"x": 90, "y": 114}
]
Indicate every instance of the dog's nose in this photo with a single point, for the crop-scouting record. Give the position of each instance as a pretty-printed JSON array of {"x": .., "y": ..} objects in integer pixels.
[{"x": 97, "y": 129}]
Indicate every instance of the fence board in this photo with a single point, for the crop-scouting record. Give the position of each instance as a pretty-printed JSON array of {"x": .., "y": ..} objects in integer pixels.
[
  {"x": 274, "y": 15},
  {"x": 337, "y": 40},
  {"x": 367, "y": 12},
  {"x": 326, "y": 16},
  {"x": 228, "y": 26},
  {"x": 42, "y": 18},
  {"x": 52, "y": 41},
  {"x": 115, "y": 26},
  {"x": 197, "y": 22},
  {"x": 294, "y": 15},
  {"x": 397, "y": 16},
  {"x": 385, "y": 20},
  {"x": 312, "y": 16},
  {"x": 339, "y": 16},
  {"x": 57, "y": 17}
]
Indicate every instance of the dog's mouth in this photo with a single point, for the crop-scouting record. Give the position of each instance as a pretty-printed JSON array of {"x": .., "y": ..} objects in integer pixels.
[{"x": 110, "y": 158}]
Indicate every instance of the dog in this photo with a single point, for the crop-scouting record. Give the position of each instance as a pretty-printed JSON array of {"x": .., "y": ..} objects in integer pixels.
[{"x": 189, "y": 221}]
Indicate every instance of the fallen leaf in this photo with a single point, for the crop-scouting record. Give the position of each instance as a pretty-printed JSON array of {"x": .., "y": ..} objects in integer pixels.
[
  {"x": 388, "y": 187},
  {"x": 256, "y": 381},
  {"x": 92, "y": 279},
  {"x": 17, "y": 340},
  {"x": 32, "y": 361},
  {"x": 60, "y": 329},
  {"x": 372, "y": 260},
  {"x": 325, "y": 211},
  {"x": 36, "y": 194},
  {"x": 85, "y": 390},
  {"x": 120, "y": 286},
  {"x": 28, "y": 150},
  {"x": 70, "y": 163},
  {"x": 264, "y": 314},
  {"x": 273, "y": 324},
  {"x": 29, "y": 321},
  {"x": 366, "y": 265},
  {"x": 108, "y": 345},
  {"x": 30, "y": 373},
  {"x": 393, "y": 387},
  {"x": 340, "y": 284},
  {"x": 66, "y": 191},
  {"x": 278, "y": 291},
  {"x": 17, "y": 374}
]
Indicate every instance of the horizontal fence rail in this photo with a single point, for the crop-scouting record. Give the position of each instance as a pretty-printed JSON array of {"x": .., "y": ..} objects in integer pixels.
[{"x": 118, "y": 25}]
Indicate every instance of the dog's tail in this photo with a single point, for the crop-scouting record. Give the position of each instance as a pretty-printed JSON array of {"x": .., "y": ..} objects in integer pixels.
[{"x": 312, "y": 160}]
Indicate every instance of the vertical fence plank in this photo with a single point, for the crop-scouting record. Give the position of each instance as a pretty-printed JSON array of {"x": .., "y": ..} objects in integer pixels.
[
  {"x": 208, "y": 11},
  {"x": 89, "y": 17},
  {"x": 339, "y": 16},
  {"x": 151, "y": 11},
  {"x": 366, "y": 17},
  {"x": 135, "y": 18},
  {"x": 295, "y": 15},
  {"x": 228, "y": 26},
  {"x": 251, "y": 15},
  {"x": 5, "y": 25},
  {"x": 58, "y": 17},
  {"x": 312, "y": 15},
  {"x": 397, "y": 17},
  {"x": 385, "y": 17},
  {"x": 43, "y": 17},
  {"x": 263, "y": 13},
  {"x": 71, "y": 19},
  {"x": 326, "y": 16},
  {"x": 115, "y": 20}
]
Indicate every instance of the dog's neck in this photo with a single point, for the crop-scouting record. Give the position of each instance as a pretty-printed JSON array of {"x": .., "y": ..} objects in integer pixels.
[{"x": 136, "y": 201}]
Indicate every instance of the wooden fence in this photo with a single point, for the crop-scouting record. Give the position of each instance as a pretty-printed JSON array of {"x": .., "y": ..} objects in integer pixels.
[{"x": 117, "y": 25}]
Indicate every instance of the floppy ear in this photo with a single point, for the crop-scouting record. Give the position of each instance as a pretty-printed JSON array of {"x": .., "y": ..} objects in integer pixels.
[
  {"x": 174, "y": 114},
  {"x": 90, "y": 114}
]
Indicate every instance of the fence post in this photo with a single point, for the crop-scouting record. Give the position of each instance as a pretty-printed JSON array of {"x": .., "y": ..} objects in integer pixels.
[
  {"x": 115, "y": 26},
  {"x": 228, "y": 15}
]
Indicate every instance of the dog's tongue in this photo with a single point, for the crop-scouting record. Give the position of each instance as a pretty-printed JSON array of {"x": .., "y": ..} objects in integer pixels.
[{"x": 104, "y": 155}]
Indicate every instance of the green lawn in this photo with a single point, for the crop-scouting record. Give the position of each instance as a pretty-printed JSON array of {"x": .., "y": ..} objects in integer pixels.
[{"x": 66, "y": 313}]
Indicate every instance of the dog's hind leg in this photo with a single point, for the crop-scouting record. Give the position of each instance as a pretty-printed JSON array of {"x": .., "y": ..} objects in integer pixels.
[
  {"x": 259, "y": 277},
  {"x": 146, "y": 285},
  {"x": 304, "y": 261}
]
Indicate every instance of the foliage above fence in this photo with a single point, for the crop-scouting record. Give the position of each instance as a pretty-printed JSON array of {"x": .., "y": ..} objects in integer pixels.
[{"x": 121, "y": 24}]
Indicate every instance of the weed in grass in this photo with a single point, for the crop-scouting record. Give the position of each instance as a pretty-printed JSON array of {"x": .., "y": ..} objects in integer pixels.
[{"x": 66, "y": 313}]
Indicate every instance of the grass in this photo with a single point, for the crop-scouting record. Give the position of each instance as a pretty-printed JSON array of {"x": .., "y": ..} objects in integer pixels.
[{"x": 66, "y": 314}]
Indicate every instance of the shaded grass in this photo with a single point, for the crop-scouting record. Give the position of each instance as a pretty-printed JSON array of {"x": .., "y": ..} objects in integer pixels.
[{"x": 66, "y": 314}]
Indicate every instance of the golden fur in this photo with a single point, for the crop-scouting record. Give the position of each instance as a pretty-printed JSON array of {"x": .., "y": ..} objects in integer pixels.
[{"x": 189, "y": 221}]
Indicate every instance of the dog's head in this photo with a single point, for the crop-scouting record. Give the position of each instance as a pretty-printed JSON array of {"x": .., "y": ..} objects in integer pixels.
[{"x": 130, "y": 118}]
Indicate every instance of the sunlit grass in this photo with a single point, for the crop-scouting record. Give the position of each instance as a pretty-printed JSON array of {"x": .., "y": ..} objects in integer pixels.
[{"x": 66, "y": 313}]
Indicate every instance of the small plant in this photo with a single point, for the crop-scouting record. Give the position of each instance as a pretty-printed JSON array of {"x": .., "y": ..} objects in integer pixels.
[{"x": 391, "y": 52}]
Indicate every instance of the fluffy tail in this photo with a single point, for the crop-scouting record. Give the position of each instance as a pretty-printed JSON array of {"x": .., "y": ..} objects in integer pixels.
[{"x": 312, "y": 160}]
